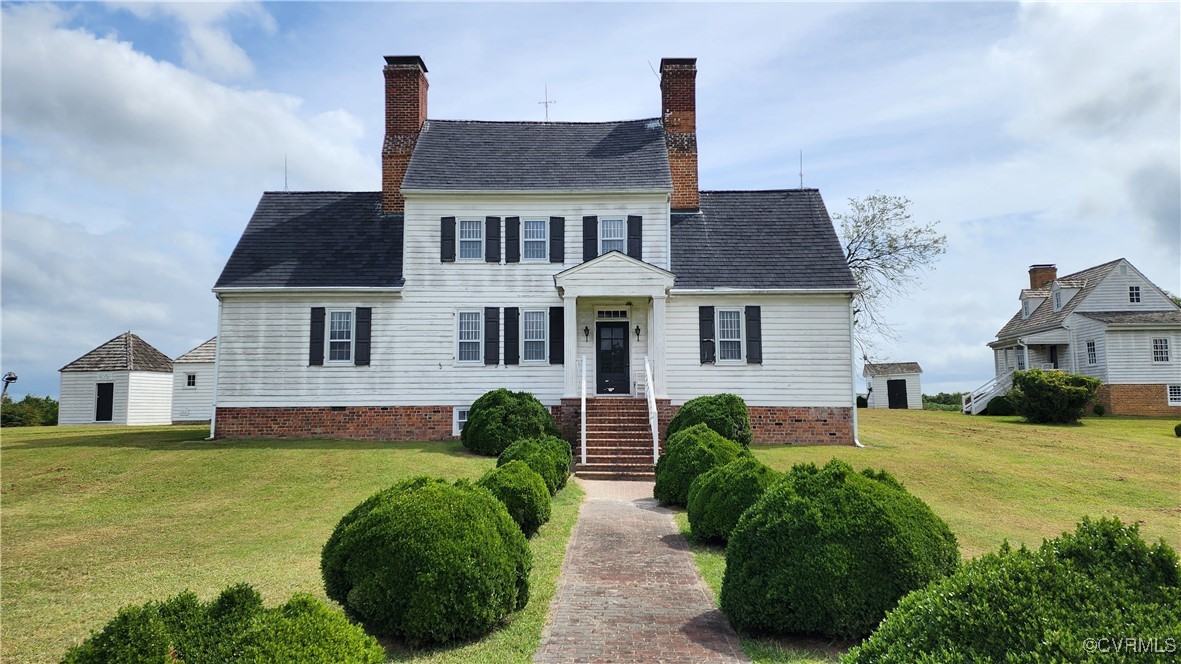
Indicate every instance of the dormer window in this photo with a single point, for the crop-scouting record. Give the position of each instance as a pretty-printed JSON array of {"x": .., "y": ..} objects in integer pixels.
[
  {"x": 1024, "y": 309},
  {"x": 1057, "y": 300},
  {"x": 1133, "y": 294}
]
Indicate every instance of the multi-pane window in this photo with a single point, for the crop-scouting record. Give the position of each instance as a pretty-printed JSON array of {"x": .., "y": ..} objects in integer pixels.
[
  {"x": 1020, "y": 359},
  {"x": 471, "y": 239},
  {"x": 191, "y": 380},
  {"x": 612, "y": 235},
  {"x": 1133, "y": 293},
  {"x": 729, "y": 335},
  {"x": 535, "y": 323},
  {"x": 1160, "y": 350},
  {"x": 1057, "y": 300},
  {"x": 340, "y": 336},
  {"x": 460, "y": 419},
  {"x": 471, "y": 333},
  {"x": 1092, "y": 356},
  {"x": 534, "y": 240},
  {"x": 1175, "y": 395}
]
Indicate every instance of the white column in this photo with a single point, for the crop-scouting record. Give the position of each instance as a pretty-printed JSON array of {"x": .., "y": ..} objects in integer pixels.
[
  {"x": 570, "y": 345},
  {"x": 656, "y": 344}
]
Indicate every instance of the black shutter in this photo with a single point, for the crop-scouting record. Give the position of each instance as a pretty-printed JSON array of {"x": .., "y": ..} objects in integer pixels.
[
  {"x": 635, "y": 237},
  {"x": 491, "y": 336},
  {"x": 362, "y": 344},
  {"x": 316, "y": 345},
  {"x": 705, "y": 317},
  {"x": 557, "y": 335},
  {"x": 447, "y": 245},
  {"x": 557, "y": 239},
  {"x": 512, "y": 239},
  {"x": 512, "y": 335},
  {"x": 754, "y": 336},
  {"x": 492, "y": 239},
  {"x": 590, "y": 238}
]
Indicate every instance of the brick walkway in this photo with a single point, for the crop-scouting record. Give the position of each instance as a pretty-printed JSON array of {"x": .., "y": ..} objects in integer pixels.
[{"x": 629, "y": 591}]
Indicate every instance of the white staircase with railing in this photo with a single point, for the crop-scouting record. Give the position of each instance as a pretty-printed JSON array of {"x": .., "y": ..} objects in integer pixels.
[{"x": 974, "y": 402}]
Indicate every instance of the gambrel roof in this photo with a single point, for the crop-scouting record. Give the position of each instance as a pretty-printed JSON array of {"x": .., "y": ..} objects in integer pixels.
[
  {"x": 464, "y": 155},
  {"x": 204, "y": 354},
  {"x": 1044, "y": 317},
  {"x": 126, "y": 352}
]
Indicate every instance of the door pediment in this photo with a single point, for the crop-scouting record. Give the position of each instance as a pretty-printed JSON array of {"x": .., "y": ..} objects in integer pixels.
[{"x": 614, "y": 273}]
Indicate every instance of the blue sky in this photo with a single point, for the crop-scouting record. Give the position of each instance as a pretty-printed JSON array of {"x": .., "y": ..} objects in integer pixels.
[{"x": 137, "y": 138}]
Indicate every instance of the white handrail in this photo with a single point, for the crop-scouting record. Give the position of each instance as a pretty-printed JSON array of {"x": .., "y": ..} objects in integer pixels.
[
  {"x": 582, "y": 410},
  {"x": 977, "y": 400},
  {"x": 653, "y": 416}
]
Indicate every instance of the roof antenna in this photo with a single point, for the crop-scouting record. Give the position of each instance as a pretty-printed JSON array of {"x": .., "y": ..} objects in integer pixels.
[
  {"x": 285, "y": 189},
  {"x": 801, "y": 168},
  {"x": 653, "y": 69},
  {"x": 547, "y": 102}
]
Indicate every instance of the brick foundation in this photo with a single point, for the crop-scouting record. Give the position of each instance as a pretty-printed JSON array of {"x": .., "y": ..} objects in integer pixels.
[
  {"x": 349, "y": 422},
  {"x": 1152, "y": 400}
]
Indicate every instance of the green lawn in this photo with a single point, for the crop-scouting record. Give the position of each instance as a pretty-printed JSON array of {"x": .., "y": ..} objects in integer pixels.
[
  {"x": 99, "y": 518},
  {"x": 996, "y": 478}
]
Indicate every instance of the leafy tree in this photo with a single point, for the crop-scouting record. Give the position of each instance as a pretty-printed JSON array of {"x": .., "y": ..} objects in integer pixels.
[
  {"x": 28, "y": 412},
  {"x": 1051, "y": 397},
  {"x": 1175, "y": 298},
  {"x": 887, "y": 252}
]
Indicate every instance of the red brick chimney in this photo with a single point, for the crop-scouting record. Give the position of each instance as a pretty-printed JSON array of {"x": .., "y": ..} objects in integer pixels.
[
  {"x": 678, "y": 97},
  {"x": 1040, "y": 275},
  {"x": 405, "y": 111}
]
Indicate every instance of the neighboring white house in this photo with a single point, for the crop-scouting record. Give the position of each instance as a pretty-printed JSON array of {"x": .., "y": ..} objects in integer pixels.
[
  {"x": 514, "y": 254},
  {"x": 123, "y": 381},
  {"x": 192, "y": 384},
  {"x": 894, "y": 385},
  {"x": 1108, "y": 321}
]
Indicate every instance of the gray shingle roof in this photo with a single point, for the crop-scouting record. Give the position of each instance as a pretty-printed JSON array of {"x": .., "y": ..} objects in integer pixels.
[
  {"x": 1044, "y": 317},
  {"x": 310, "y": 239},
  {"x": 465, "y": 155},
  {"x": 126, "y": 352},
  {"x": 1136, "y": 317},
  {"x": 759, "y": 239},
  {"x": 889, "y": 368},
  {"x": 205, "y": 353}
]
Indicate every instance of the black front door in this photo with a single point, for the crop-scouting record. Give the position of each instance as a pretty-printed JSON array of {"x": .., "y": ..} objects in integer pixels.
[
  {"x": 104, "y": 410},
  {"x": 1054, "y": 356},
  {"x": 896, "y": 393},
  {"x": 612, "y": 372}
]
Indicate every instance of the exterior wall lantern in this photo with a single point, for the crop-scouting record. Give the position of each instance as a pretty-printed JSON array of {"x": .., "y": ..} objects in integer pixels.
[
  {"x": 586, "y": 333},
  {"x": 637, "y": 331}
]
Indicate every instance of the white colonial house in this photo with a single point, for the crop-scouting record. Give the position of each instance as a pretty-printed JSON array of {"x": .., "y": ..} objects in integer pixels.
[
  {"x": 123, "y": 381},
  {"x": 556, "y": 258},
  {"x": 1108, "y": 321},
  {"x": 193, "y": 381},
  {"x": 895, "y": 385}
]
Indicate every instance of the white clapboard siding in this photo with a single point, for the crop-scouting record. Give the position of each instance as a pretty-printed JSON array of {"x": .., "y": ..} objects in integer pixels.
[
  {"x": 807, "y": 357},
  {"x": 1084, "y": 329},
  {"x": 879, "y": 398},
  {"x": 79, "y": 396},
  {"x": 1129, "y": 357},
  {"x": 149, "y": 397},
  {"x": 1112, "y": 294},
  {"x": 195, "y": 403}
]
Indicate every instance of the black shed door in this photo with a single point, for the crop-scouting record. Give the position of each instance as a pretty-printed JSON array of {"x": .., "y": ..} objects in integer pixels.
[
  {"x": 104, "y": 410},
  {"x": 612, "y": 373},
  {"x": 896, "y": 393}
]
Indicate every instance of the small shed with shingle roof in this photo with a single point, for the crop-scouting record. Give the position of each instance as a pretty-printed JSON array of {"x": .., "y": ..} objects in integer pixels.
[
  {"x": 894, "y": 385},
  {"x": 193, "y": 379},
  {"x": 123, "y": 381}
]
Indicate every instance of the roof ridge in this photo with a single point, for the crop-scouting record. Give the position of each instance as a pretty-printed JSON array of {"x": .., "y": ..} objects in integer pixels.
[
  {"x": 545, "y": 122},
  {"x": 1089, "y": 269},
  {"x": 758, "y": 191}
]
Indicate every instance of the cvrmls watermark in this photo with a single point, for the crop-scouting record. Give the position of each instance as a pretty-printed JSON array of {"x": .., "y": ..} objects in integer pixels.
[{"x": 1131, "y": 645}]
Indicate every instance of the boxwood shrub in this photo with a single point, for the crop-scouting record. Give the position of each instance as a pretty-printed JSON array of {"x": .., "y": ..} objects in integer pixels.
[
  {"x": 500, "y": 417},
  {"x": 1000, "y": 406},
  {"x": 1047, "y": 605},
  {"x": 1177, "y": 430},
  {"x": 426, "y": 561},
  {"x": 689, "y": 453},
  {"x": 1045, "y": 397},
  {"x": 724, "y": 413},
  {"x": 233, "y": 628},
  {"x": 523, "y": 493},
  {"x": 719, "y": 496},
  {"x": 828, "y": 551},
  {"x": 548, "y": 456}
]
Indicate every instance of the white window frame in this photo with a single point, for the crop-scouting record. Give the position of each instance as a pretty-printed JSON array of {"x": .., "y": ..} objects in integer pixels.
[
  {"x": 190, "y": 381},
  {"x": 741, "y": 337},
  {"x": 457, "y": 421},
  {"x": 479, "y": 341},
  {"x": 544, "y": 314},
  {"x": 1160, "y": 349},
  {"x": 1024, "y": 309},
  {"x": 1173, "y": 395},
  {"x": 603, "y": 239},
  {"x": 544, "y": 240},
  {"x": 1134, "y": 295},
  {"x": 1092, "y": 353},
  {"x": 459, "y": 239},
  {"x": 1057, "y": 300},
  {"x": 328, "y": 341},
  {"x": 1022, "y": 360}
]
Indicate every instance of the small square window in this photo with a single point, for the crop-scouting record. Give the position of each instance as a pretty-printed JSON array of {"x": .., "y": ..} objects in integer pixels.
[
  {"x": 1092, "y": 356},
  {"x": 534, "y": 337},
  {"x": 1175, "y": 395},
  {"x": 471, "y": 239},
  {"x": 729, "y": 335},
  {"x": 190, "y": 380},
  {"x": 612, "y": 235},
  {"x": 1160, "y": 350},
  {"x": 460, "y": 419},
  {"x": 535, "y": 244},
  {"x": 470, "y": 331},
  {"x": 1133, "y": 293},
  {"x": 340, "y": 336}
]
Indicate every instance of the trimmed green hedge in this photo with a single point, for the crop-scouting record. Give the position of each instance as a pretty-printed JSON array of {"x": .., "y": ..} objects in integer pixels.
[
  {"x": 500, "y": 417},
  {"x": 687, "y": 454},
  {"x": 523, "y": 493},
  {"x": 548, "y": 456},
  {"x": 718, "y": 497},
  {"x": 726, "y": 414},
  {"x": 1048, "y": 605},
  {"x": 233, "y": 628},
  {"x": 1052, "y": 397},
  {"x": 1000, "y": 406},
  {"x": 427, "y": 561},
  {"x": 829, "y": 551}
]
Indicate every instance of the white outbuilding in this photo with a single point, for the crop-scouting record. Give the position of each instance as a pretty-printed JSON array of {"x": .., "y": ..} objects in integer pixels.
[
  {"x": 192, "y": 384},
  {"x": 123, "y": 381},
  {"x": 894, "y": 385}
]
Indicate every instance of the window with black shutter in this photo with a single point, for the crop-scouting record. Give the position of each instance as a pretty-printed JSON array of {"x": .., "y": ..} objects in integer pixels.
[
  {"x": 447, "y": 242},
  {"x": 705, "y": 328},
  {"x": 363, "y": 341},
  {"x": 492, "y": 239},
  {"x": 635, "y": 237},
  {"x": 590, "y": 238},
  {"x": 512, "y": 239},
  {"x": 557, "y": 239},
  {"x": 557, "y": 335},
  {"x": 754, "y": 335},
  {"x": 491, "y": 336},
  {"x": 316, "y": 342},
  {"x": 512, "y": 335}
]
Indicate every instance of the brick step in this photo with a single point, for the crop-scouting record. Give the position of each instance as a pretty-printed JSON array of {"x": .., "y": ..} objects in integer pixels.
[
  {"x": 617, "y": 423},
  {"x": 603, "y": 420},
  {"x": 616, "y": 477},
  {"x": 619, "y": 435},
  {"x": 626, "y": 450},
  {"x": 614, "y": 467},
  {"x": 608, "y": 443}
]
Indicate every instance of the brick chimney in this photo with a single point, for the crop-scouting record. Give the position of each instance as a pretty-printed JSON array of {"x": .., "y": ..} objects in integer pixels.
[
  {"x": 405, "y": 111},
  {"x": 678, "y": 97},
  {"x": 1041, "y": 275}
]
